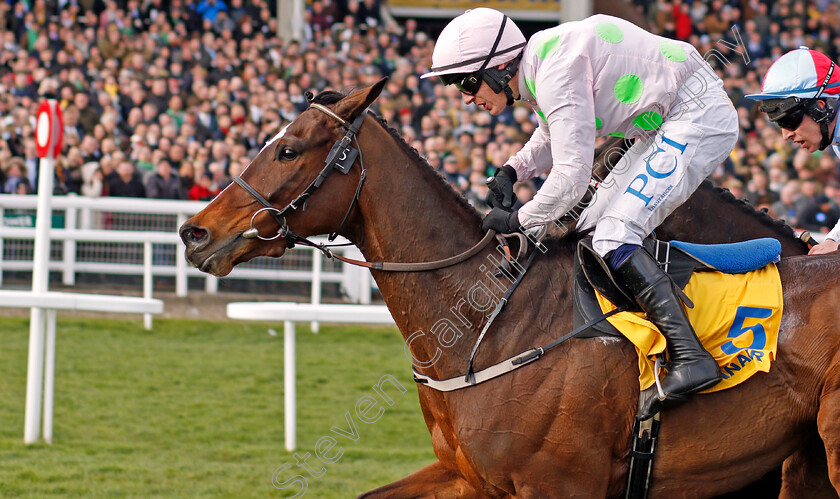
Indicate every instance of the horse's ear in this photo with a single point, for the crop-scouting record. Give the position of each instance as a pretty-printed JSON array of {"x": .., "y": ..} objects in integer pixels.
[{"x": 351, "y": 106}]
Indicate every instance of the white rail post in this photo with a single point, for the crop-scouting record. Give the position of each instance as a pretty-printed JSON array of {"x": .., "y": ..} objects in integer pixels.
[
  {"x": 85, "y": 219},
  {"x": 211, "y": 284},
  {"x": 317, "y": 267},
  {"x": 68, "y": 276},
  {"x": 181, "y": 282},
  {"x": 148, "y": 281},
  {"x": 289, "y": 384},
  {"x": 34, "y": 376},
  {"x": 352, "y": 275},
  {"x": 49, "y": 376},
  {"x": 364, "y": 282},
  {"x": 48, "y": 133}
]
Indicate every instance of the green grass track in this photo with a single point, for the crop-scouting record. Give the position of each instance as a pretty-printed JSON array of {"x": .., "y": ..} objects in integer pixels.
[{"x": 195, "y": 409}]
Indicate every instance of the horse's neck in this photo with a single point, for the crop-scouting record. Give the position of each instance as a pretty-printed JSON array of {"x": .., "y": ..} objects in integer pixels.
[
  {"x": 408, "y": 213},
  {"x": 405, "y": 214}
]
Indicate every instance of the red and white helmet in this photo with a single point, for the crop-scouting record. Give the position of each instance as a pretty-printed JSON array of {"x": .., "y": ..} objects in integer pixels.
[
  {"x": 793, "y": 88},
  {"x": 467, "y": 41},
  {"x": 802, "y": 73}
]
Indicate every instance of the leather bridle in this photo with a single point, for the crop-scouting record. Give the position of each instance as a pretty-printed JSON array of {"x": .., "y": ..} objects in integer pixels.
[
  {"x": 341, "y": 157},
  {"x": 340, "y": 152}
]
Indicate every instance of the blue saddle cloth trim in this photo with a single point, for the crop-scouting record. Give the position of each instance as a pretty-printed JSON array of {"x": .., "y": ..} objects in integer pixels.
[{"x": 735, "y": 258}]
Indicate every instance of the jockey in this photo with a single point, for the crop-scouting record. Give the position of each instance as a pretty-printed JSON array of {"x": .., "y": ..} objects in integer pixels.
[
  {"x": 799, "y": 94},
  {"x": 602, "y": 76}
]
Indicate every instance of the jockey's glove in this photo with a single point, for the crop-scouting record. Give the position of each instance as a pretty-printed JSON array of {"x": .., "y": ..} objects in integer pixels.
[
  {"x": 492, "y": 201},
  {"x": 502, "y": 221},
  {"x": 502, "y": 187}
]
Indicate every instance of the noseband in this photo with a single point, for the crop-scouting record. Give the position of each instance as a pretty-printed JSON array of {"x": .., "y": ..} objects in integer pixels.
[{"x": 341, "y": 157}]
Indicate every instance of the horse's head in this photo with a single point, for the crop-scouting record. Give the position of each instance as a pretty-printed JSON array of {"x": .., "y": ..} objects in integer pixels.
[{"x": 238, "y": 226}]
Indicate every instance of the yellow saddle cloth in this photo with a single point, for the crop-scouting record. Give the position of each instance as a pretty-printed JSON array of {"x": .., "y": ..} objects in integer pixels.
[{"x": 736, "y": 317}]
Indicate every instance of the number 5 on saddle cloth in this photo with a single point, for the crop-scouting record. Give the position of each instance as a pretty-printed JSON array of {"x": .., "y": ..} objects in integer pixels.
[{"x": 738, "y": 296}]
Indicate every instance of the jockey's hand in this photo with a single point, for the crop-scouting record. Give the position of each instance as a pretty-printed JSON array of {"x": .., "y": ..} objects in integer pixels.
[
  {"x": 824, "y": 247},
  {"x": 501, "y": 220},
  {"x": 501, "y": 185},
  {"x": 492, "y": 201}
]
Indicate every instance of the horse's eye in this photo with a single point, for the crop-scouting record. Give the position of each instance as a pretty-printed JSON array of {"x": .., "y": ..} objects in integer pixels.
[{"x": 286, "y": 153}]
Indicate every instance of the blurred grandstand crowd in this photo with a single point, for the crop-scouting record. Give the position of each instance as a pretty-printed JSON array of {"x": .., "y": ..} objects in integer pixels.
[{"x": 171, "y": 98}]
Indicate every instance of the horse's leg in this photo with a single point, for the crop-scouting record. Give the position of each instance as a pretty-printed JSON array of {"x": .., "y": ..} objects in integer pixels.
[
  {"x": 433, "y": 481},
  {"x": 805, "y": 472},
  {"x": 828, "y": 423}
]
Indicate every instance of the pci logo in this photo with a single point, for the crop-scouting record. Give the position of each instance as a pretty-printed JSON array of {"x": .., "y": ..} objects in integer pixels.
[{"x": 638, "y": 189}]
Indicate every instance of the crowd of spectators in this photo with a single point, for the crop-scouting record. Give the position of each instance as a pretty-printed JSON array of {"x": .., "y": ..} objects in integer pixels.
[{"x": 172, "y": 98}]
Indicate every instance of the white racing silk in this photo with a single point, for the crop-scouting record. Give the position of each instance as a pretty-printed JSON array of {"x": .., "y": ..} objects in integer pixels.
[{"x": 604, "y": 76}]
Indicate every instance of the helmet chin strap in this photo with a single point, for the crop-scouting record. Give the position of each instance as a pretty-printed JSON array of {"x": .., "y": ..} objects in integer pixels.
[
  {"x": 826, "y": 138},
  {"x": 499, "y": 79},
  {"x": 823, "y": 117}
]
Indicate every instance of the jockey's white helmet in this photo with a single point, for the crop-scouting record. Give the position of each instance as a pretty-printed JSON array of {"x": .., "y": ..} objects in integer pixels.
[{"x": 467, "y": 41}]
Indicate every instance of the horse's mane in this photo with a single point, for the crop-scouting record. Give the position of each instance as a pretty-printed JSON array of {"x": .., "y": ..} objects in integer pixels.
[
  {"x": 331, "y": 97},
  {"x": 779, "y": 226},
  {"x": 438, "y": 176}
]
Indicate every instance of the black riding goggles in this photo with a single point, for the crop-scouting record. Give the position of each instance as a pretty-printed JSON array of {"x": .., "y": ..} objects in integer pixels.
[
  {"x": 787, "y": 113},
  {"x": 466, "y": 83}
]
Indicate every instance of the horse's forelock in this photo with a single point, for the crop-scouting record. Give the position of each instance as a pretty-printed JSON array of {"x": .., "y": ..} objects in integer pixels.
[
  {"x": 276, "y": 137},
  {"x": 328, "y": 97}
]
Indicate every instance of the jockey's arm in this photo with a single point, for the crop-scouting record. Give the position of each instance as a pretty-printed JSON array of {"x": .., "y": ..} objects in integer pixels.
[
  {"x": 830, "y": 244},
  {"x": 566, "y": 140},
  {"x": 535, "y": 156}
]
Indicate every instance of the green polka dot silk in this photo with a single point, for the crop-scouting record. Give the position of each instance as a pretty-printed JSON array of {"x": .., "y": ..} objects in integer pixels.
[
  {"x": 672, "y": 51},
  {"x": 547, "y": 46},
  {"x": 532, "y": 87},
  {"x": 636, "y": 66},
  {"x": 609, "y": 32},
  {"x": 628, "y": 89},
  {"x": 648, "y": 121}
]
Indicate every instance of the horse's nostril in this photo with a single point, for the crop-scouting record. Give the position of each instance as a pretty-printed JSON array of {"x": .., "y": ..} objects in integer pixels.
[
  {"x": 193, "y": 235},
  {"x": 197, "y": 234}
]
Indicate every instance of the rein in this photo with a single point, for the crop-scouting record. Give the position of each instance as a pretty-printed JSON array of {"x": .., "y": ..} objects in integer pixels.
[{"x": 341, "y": 157}]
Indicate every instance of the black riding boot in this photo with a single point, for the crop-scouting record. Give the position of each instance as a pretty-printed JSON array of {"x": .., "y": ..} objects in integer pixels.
[{"x": 692, "y": 367}]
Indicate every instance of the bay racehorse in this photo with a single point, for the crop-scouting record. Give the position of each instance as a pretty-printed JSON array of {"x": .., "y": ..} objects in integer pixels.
[{"x": 559, "y": 427}]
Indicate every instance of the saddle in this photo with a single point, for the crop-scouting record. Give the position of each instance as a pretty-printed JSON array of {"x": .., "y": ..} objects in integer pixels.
[{"x": 677, "y": 258}]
